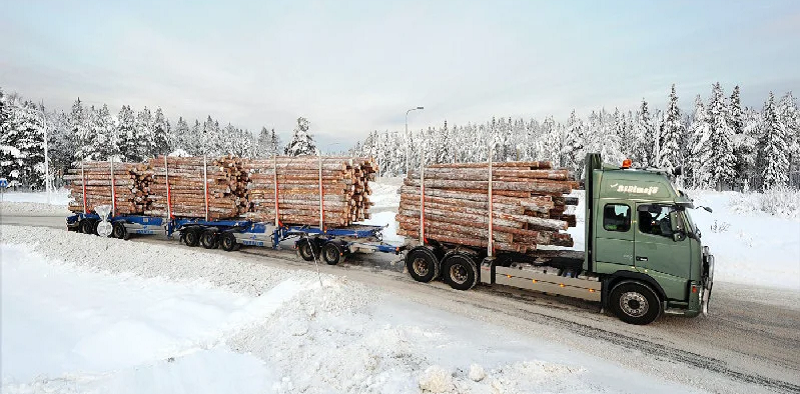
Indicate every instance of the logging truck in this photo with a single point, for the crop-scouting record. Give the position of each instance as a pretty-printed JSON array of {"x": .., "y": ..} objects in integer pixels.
[{"x": 643, "y": 254}]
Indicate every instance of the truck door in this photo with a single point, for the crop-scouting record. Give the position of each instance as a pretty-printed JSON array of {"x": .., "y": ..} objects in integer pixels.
[
  {"x": 614, "y": 235},
  {"x": 655, "y": 247}
]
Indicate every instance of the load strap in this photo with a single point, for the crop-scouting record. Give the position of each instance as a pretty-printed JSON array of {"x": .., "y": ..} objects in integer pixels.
[{"x": 83, "y": 181}]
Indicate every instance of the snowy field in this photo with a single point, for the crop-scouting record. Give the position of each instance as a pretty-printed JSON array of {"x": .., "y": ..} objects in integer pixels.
[{"x": 130, "y": 317}]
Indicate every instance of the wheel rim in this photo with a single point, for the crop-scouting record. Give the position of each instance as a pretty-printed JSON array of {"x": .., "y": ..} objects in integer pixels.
[
  {"x": 208, "y": 239},
  {"x": 633, "y": 304},
  {"x": 228, "y": 242},
  {"x": 331, "y": 254},
  {"x": 190, "y": 238},
  {"x": 420, "y": 266},
  {"x": 305, "y": 250},
  {"x": 458, "y": 274}
]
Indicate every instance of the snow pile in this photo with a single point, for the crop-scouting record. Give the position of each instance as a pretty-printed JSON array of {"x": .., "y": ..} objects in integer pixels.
[
  {"x": 207, "y": 323},
  {"x": 87, "y": 332},
  {"x": 782, "y": 202},
  {"x": 58, "y": 197},
  {"x": 385, "y": 194},
  {"x": 33, "y": 209}
]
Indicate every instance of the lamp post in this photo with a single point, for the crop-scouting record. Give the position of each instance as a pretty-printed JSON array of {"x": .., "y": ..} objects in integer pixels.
[
  {"x": 46, "y": 154},
  {"x": 408, "y": 143}
]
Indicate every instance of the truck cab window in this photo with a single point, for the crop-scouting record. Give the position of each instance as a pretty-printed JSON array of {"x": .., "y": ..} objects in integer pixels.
[
  {"x": 617, "y": 217},
  {"x": 655, "y": 220}
]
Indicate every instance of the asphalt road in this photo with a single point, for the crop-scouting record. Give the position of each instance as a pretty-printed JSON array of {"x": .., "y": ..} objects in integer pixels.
[{"x": 749, "y": 343}]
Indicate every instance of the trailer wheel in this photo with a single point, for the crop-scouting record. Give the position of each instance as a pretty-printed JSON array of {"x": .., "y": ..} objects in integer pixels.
[
  {"x": 209, "y": 239},
  {"x": 192, "y": 237},
  {"x": 635, "y": 303},
  {"x": 332, "y": 253},
  {"x": 228, "y": 242},
  {"x": 422, "y": 264},
  {"x": 460, "y": 271},
  {"x": 118, "y": 230},
  {"x": 87, "y": 226},
  {"x": 308, "y": 249}
]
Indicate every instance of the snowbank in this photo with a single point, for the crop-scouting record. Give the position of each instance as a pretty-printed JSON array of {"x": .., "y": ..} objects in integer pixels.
[
  {"x": 58, "y": 197},
  {"x": 190, "y": 321},
  {"x": 33, "y": 209}
]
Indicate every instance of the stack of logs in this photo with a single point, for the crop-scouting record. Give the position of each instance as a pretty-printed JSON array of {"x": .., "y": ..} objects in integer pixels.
[
  {"x": 227, "y": 187},
  {"x": 345, "y": 189},
  {"x": 132, "y": 183},
  {"x": 529, "y": 203}
]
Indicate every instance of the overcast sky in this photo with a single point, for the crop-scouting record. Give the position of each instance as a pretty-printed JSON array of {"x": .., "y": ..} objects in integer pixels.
[{"x": 351, "y": 67}]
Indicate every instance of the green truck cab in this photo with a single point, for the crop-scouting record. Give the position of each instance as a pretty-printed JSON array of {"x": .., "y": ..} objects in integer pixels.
[{"x": 642, "y": 244}]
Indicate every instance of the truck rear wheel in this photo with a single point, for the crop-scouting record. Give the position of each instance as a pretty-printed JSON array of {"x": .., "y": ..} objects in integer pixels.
[
  {"x": 635, "y": 303},
  {"x": 422, "y": 264},
  {"x": 209, "y": 239},
  {"x": 332, "y": 253},
  {"x": 460, "y": 271}
]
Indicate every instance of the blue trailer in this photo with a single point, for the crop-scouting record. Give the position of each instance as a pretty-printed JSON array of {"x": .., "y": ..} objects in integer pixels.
[{"x": 332, "y": 245}]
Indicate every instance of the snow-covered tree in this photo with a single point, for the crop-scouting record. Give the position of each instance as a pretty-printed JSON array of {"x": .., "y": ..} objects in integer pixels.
[
  {"x": 575, "y": 142},
  {"x": 722, "y": 162},
  {"x": 145, "y": 135},
  {"x": 126, "y": 133},
  {"x": 80, "y": 132},
  {"x": 774, "y": 149},
  {"x": 181, "y": 136},
  {"x": 789, "y": 117},
  {"x": 301, "y": 143},
  {"x": 162, "y": 141},
  {"x": 644, "y": 135},
  {"x": 263, "y": 144},
  {"x": 669, "y": 155},
  {"x": 699, "y": 147}
]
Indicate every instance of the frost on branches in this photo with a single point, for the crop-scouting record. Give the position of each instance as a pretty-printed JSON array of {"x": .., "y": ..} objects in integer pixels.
[{"x": 301, "y": 142}]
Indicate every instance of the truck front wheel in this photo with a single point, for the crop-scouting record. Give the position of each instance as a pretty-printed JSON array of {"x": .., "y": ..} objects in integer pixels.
[
  {"x": 635, "y": 303},
  {"x": 422, "y": 264}
]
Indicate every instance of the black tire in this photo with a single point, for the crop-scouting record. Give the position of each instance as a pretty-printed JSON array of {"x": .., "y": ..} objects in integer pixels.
[
  {"x": 118, "y": 230},
  {"x": 635, "y": 303},
  {"x": 88, "y": 226},
  {"x": 422, "y": 264},
  {"x": 227, "y": 242},
  {"x": 332, "y": 253},
  {"x": 79, "y": 227},
  {"x": 192, "y": 237},
  {"x": 460, "y": 271},
  {"x": 307, "y": 249},
  {"x": 209, "y": 239}
]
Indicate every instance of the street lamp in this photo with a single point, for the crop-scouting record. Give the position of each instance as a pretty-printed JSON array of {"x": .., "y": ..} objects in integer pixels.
[
  {"x": 408, "y": 142},
  {"x": 46, "y": 155}
]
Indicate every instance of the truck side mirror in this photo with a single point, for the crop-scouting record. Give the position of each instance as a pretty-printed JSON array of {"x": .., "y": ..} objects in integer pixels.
[{"x": 678, "y": 234}]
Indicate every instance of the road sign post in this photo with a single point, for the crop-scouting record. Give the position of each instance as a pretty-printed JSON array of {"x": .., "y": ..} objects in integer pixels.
[{"x": 3, "y": 186}]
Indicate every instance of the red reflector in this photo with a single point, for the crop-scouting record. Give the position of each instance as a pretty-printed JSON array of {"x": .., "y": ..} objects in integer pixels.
[
  {"x": 626, "y": 163},
  {"x": 694, "y": 289}
]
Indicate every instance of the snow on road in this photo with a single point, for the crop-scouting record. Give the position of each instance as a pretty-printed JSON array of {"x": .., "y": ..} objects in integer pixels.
[{"x": 91, "y": 314}]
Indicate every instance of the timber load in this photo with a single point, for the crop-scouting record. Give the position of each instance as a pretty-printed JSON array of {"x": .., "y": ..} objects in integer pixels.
[
  {"x": 178, "y": 187},
  {"x": 291, "y": 188},
  {"x": 90, "y": 185},
  {"x": 529, "y": 201}
]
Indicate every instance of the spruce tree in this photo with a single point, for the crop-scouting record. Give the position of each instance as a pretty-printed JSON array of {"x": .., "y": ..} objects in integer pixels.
[
  {"x": 669, "y": 146},
  {"x": 79, "y": 130},
  {"x": 162, "y": 142},
  {"x": 722, "y": 161},
  {"x": 789, "y": 117},
  {"x": 698, "y": 169},
  {"x": 263, "y": 144},
  {"x": 182, "y": 137},
  {"x": 275, "y": 143},
  {"x": 126, "y": 133},
  {"x": 644, "y": 135},
  {"x": 742, "y": 146},
  {"x": 302, "y": 143},
  {"x": 775, "y": 151}
]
